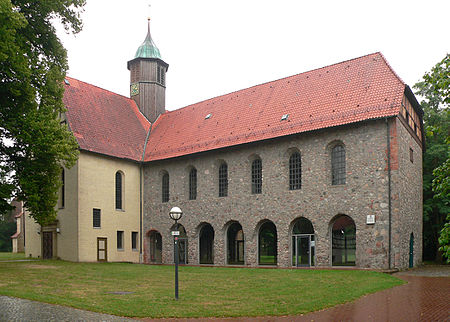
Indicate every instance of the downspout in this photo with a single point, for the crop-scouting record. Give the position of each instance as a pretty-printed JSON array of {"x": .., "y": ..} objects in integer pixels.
[
  {"x": 388, "y": 139},
  {"x": 141, "y": 193}
]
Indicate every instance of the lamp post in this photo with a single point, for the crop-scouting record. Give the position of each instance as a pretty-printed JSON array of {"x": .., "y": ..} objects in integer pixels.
[{"x": 176, "y": 214}]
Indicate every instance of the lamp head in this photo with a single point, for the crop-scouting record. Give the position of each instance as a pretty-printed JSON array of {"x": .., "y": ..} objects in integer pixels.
[{"x": 175, "y": 213}]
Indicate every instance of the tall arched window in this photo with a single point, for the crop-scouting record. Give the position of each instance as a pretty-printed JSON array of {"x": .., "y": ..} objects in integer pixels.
[
  {"x": 267, "y": 244},
  {"x": 338, "y": 165},
  {"x": 119, "y": 188},
  {"x": 193, "y": 184},
  {"x": 165, "y": 187},
  {"x": 223, "y": 180},
  {"x": 295, "y": 171},
  {"x": 343, "y": 241},
  {"x": 256, "y": 176}
]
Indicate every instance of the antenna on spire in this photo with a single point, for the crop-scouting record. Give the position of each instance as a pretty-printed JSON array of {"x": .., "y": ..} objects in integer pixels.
[{"x": 149, "y": 7}]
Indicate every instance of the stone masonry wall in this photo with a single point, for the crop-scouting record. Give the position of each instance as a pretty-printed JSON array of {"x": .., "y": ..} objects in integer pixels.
[
  {"x": 365, "y": 193},
  {"x": 407, "y": 213}
]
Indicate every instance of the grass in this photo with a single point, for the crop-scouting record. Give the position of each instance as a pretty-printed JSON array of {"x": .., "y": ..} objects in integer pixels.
[
  {"x": 11, "y": 256},
  {"x": 204, "y": 291}
]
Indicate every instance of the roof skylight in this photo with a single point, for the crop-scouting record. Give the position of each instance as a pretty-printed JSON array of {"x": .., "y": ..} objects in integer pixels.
[{"x": 284, "y": 117}]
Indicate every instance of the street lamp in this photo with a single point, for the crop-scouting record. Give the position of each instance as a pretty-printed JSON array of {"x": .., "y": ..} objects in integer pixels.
[{"x": 176, "y": 214}]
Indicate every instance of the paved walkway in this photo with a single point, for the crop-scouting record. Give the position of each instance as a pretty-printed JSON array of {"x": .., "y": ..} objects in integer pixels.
[
  {"x": 426, "y": 297},
  {"x": 14, "y": 309}
]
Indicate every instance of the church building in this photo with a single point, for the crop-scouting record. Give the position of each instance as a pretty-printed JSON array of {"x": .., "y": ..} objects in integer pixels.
[{"x": 319, "y": 169}]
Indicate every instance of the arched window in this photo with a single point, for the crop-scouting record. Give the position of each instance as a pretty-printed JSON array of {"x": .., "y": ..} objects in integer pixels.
[
  {"x": 256, "y": 176},
  {"x": 165, "y": 187},
  {"x": 303, "y": 243},
  {"x": 338, "y": 165},
  {"x": 295, "y": 171},
  {"x": 267, "y": 245},
  {"x": 223, "y": 180},
  {"x": 235, "y": 240},
  {"x": 206, "y": 237},
  {"x": 119, "y": 190},
  {"x": 182, "y": 244},
  {"x": 344, "y": 241},
  {"x": 155, "y": 247},
  {"x": 193, "y": 184}
]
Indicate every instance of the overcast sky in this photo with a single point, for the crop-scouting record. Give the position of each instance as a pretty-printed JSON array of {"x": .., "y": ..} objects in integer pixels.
[{"x": 216, "y": 47}]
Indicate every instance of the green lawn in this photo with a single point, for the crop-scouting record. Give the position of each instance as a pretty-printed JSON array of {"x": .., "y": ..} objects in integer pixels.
[
  {"x": 204, "y": 291},
  {"x": 10, "y": 256}
]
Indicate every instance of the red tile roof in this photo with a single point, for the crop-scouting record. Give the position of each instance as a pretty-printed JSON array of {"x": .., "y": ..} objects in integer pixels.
[
  {"x": 359, "y": 89},
  {"x": 351, "y": 91},
  {"x": 105, "y": 122}
]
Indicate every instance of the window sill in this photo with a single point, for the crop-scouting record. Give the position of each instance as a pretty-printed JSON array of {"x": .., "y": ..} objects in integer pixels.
[
  {"x": 121, "y": 210},
  {"x": 134, "y": 250},
  {"x": 97, "y": 227},
  {"x": 120, "y": 249}
]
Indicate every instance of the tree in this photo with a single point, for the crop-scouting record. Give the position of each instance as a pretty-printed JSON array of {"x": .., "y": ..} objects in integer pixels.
[
  {"x": 434, "y": 89},
  {"x": 33, "y": 143}
]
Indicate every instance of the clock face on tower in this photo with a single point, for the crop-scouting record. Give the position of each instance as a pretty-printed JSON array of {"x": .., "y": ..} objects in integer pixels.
[{"x": 134, "y": 89}]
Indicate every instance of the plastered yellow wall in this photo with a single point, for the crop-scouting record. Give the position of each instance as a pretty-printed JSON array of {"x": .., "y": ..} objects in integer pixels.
[
  {"x": 32, "y": 238},
  {"x": 67, "y": 237},
  {"x": 96, "y": 179}
]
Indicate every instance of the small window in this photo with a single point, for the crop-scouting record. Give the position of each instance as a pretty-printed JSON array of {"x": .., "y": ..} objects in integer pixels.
[
  {"x": 119, "y": 190},
  {"x": 338, "y": 165},
  {"x": 411, "y": 155},
  {"x": 96, "y": 218},
  {"x": 193, "y": 184},
  {"x": 284, "y": 117},
  {"x": 295, "y": 171},
  {"x": 63, "y": 188},
  {"x": 134, "y": 240},
  {"x": 120, "y": 240},
  {"x": 223, "y": 180},
  {"x": 165, "y": 187},
  {"x": 256, "y": 176}
]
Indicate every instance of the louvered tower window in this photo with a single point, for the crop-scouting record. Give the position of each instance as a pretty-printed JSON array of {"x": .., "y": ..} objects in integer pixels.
[
  {"x": 118, "y": 190},
  {"x": 295, "y": 171},
  {"x": 338, "y": 165},
  {"x": 256, "y": 176},
  {"x": 193, "y": 184},
  {"x": 223, "y": 180},
  {"x": 165, "y": 187}
]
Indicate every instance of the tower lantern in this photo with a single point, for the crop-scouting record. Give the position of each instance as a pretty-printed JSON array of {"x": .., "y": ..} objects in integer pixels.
[{"x": 148, "y": 79}]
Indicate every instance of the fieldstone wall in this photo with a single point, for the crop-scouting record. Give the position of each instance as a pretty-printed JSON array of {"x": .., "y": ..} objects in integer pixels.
[
  {"x": 365, "y": 193},
  {"x": 407, "y": 212}
]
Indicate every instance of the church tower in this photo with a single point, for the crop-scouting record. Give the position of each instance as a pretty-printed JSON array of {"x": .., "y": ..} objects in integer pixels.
[{"x": 148, "y": 79}]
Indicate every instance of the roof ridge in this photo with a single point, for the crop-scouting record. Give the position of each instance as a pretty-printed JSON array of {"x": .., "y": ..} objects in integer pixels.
[
  {"x": 391, "y": 69},
  {"x": 286, "y": 77},
  {"x": 104, "y": 89}
]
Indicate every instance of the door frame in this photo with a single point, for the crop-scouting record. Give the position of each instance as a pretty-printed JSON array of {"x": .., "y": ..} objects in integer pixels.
[
  {"x": 105, "y": 249},
  {"x": 50, "y": 247},
  {"x": 311, "y": 243}
]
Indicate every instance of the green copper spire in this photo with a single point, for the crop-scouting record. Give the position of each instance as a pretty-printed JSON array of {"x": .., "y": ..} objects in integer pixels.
[{"x": 148, "y": 48}]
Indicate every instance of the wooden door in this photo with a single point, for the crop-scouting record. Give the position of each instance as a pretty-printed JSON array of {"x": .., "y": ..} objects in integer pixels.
[
  {"x": 47, "y": 245},
  {"x": 102, "y": 249}
]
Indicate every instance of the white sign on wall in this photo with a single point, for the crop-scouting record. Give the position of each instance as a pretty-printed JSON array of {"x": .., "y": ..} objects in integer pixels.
[{"x": 370, "y": 219}]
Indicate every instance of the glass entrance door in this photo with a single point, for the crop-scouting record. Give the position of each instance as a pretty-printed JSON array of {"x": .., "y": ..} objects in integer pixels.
[{"x": 303, "y": 250}]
